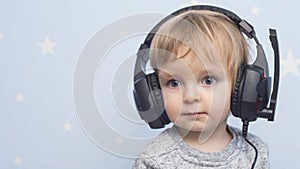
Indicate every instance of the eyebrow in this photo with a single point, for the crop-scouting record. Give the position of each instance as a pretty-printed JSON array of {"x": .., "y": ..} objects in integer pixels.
[
  {"x": 164, "y": 74},
  {"x": 215, "y": 72}
]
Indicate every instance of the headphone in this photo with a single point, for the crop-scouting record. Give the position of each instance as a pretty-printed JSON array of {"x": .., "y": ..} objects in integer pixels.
[{"x": 250, "y": 97}]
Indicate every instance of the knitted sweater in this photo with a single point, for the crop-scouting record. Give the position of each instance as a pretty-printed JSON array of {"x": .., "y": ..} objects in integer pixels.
[{"x": 168, "y": 151}]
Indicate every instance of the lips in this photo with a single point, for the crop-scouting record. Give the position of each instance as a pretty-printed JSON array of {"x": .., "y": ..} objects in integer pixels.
[{"x": 194, "y": 113}]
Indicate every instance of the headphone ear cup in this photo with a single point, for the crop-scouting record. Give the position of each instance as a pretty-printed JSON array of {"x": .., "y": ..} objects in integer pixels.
[
  {"x": 157, "y": 97},
  {"x": 155, "y": 88},
  {"x": 235, "y": 96}
]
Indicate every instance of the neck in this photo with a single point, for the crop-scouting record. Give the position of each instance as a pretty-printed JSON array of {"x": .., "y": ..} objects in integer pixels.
[{"x": 207, "y": 141}]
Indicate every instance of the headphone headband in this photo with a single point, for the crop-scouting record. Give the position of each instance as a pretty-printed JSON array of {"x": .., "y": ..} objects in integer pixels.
[{"x": 244, "y": 26}]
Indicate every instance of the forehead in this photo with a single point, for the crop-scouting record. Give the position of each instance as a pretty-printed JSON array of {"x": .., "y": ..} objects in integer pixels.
[{"x": 187, "y": 62}]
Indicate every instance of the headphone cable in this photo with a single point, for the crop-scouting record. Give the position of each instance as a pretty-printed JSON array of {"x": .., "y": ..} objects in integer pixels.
[{"x": 244, "y": 133}]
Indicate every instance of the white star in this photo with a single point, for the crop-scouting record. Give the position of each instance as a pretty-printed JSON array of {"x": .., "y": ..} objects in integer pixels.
[
  {"x": 123, "y": 33},
  {"x": 67, "y": 126},
  {"x": 18, "y": 160},
  {"x": 290, "y": 64},
  {"x": 255, "y": 11},
  {"x": 47, "y": 46},
  {"x": 119, "y": 140},
  {"x": 193, "y": 2},
  {"x": 20, "y": 98},
  {"x": 1, "y": 36}
]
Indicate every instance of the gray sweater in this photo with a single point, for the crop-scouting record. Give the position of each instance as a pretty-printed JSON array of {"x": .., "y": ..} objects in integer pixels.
[{"x": 168, "y": 151}]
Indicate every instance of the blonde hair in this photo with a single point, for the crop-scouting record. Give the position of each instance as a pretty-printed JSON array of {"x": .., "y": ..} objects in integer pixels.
[{"x": 205, "y": 33}]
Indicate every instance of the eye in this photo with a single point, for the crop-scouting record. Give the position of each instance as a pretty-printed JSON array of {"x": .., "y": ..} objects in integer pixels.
[
  {"x": 209, "y": 80},
  {"x": 174, "y": 83}
]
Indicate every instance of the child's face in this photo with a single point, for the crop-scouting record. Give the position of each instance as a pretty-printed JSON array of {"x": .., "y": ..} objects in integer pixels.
[{"x": 196, "y": 92}]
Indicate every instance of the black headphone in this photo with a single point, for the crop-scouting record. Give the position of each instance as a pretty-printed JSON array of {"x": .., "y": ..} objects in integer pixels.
[{"x": 250, "y": 95}]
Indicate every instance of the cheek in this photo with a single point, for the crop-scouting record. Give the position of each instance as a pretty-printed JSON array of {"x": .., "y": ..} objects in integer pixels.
[{"x": 173, "y": 103}]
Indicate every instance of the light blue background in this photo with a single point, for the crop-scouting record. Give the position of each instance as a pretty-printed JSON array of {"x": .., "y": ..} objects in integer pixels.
[{"x": 32, "y": 132}]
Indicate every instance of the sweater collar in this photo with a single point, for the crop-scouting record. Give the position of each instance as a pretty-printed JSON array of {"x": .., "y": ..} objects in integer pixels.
[{"x": 216, "y": 158}]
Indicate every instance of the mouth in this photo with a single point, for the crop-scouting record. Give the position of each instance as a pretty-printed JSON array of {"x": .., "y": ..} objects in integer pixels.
[{"x": 194, "y": 114}]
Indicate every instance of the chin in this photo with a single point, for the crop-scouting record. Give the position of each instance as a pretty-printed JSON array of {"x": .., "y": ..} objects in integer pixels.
[
  {"x": 197, "y": 129},
  {"x": 194, "y": 127}
]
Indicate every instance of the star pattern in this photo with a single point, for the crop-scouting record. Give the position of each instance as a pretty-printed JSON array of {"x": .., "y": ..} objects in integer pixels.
[
  {"x": 31, "y": 108},
  {"x": 67, "y": 126},
  {"x": 255, "y": 11},
  {"x": 123, "y": 33},
  {"x": 290, "y": 64},
  {"x": 47, "y": 46},
  {"x": 18, "y": 160},
  {"x": 119, "y": 140},
  {"x": 193, "y": 2},
  {"x": 1, "y": 36},
  {"x": 20, "y": 98}
]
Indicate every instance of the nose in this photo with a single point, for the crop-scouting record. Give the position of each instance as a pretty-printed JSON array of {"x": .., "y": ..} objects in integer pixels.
[{"x": 191, "y": 93}]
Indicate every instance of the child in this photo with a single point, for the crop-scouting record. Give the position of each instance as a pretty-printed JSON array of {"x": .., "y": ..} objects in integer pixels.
[{"x": 196, "y": 56}]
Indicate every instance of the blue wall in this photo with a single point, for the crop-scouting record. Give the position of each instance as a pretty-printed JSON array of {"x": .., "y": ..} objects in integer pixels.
[{"x": 41, "y": 48}]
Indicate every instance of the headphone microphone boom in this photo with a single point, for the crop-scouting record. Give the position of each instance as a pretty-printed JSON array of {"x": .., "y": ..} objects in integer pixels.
[
  {"x": 269, "y": 112},
  {"x": 250, "y": 95}
]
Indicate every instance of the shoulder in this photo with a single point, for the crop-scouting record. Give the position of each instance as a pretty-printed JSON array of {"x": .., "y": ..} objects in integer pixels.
[
  {"x": 161, "y": 145},
  {"x": 257, "y": 141},
  {"x": 260, "y": 145}
]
